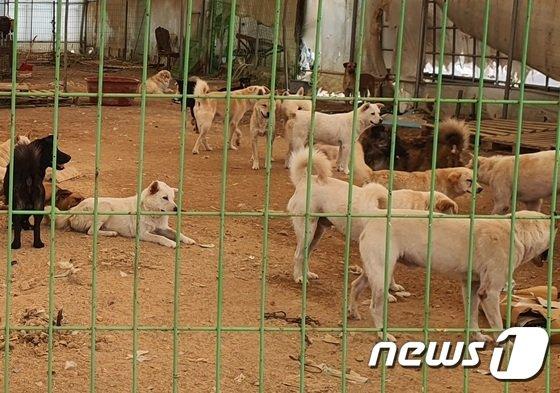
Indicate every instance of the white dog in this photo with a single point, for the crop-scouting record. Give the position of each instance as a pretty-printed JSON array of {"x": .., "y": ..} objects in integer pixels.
[
  {"x": 158, "y": 197},
  {"x": 333, "y": 130},
  {"x": 536, "y": 173},
  {"x": 450, "y": 250},
  {"x": 329, "y": 195}
]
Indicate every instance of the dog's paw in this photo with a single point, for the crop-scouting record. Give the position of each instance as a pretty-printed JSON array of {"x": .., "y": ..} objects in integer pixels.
[
  {"x": 392, "y": 299},
  {"x": 38, "y": 244},
  {"x": 312, "y": 276},
  {"x": 195, "y": 151},
  {"x": 396, "y": 288},
  {"x": 483, "y": 338},
  {"x": 16, "y": 245},
  {"x": 232, "y": 146},
  {"x": 256, "y": 166}
]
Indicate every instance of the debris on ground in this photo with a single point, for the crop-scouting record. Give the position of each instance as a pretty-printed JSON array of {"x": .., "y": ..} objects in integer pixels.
[
  {"x": 318, "y": 368},
  {"x": 141, "y": 356},
  {"x": 70, "y": 365},
  {"x": 281, "y": 315}
]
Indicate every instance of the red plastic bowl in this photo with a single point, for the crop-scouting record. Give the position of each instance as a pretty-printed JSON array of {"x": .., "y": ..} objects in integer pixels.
[{"x": 113, "y": 84}]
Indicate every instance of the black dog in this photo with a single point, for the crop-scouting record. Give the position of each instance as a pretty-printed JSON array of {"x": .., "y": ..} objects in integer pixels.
[
  {"x": 30, "y": 164},
  {"x": 191, "y": 83},
  {"x": 243, "y": 83}
]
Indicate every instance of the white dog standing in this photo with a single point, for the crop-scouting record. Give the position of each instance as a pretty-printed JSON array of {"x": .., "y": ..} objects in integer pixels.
[
  {"x": 330, "y": 195},
  {"x": 450, "y": 251},
  {"x": 158, "y": 197},
  {"x": 536, "y": 173},
  {"x": 258, "y": 126},
  {"x": 335, "y": 130}
]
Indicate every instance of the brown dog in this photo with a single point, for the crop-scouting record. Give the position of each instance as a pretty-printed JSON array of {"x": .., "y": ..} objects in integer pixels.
[
  {"x": 159, "y": 83},
  {"x": 65, "y": 199},
  {"x": 368, "y": 82}
]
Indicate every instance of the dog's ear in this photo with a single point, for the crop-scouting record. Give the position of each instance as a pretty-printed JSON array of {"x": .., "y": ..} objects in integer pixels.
[
  {"x": 175, "y": 189},
  {"x": 454, "y": 177},
  {"x": 300, "y": 92},
  {"x": 345, "y": 64},
  {"x": 266, "y": 90},
  {"x": 365, "y": 107},
  {"x": 380, "y": 105},
  {"x": 154, "y": 187},
  {"x": 286, "y": 93}
]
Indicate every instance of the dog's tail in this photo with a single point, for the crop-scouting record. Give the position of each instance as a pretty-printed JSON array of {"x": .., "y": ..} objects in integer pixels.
[
  {"x": 201, "y": 88},
  {"x": 321, "y": 166},
  {"x": 454, "y": 134}
]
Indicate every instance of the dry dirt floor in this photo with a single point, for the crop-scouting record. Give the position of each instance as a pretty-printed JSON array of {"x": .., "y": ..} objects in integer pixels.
[{"x": 199, "y": 294}]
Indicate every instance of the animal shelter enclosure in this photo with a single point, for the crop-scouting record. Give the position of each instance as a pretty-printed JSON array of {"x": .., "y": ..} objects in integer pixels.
[{"x": 147, "y": 104}]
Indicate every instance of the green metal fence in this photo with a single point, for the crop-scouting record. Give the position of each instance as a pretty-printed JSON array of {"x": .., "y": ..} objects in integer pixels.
[{"x": 266, "y": 215}]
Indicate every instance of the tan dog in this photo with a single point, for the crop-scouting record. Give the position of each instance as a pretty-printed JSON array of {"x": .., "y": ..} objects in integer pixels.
[
  {"x": 453, "y": 182},
  {"x": 65, "y": 199},
  {"x": 368, "y": 83},
  {"x": 213, "y": 104},
  {"x": 450, "y": 255},
  {"x": 258, "y": 127},
  {"x": 158, "y": 83},
  {"x": 286, "y": 108},
  {"x": 536, "y": 172}
]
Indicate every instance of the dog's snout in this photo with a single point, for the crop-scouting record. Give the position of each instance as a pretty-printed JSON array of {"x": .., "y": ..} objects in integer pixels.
[
  {"x": 479, "y": 190},
  {"x": 175, "y": 209}
]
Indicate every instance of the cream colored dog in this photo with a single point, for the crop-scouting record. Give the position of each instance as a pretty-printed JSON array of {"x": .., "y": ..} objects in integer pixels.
[
  {"x": 258, "y": 127},
  {"x": 450, "y": 251},
  {"x": 158, "y": 197},
  {"x": 536, "y": 173},
  {"x": 330, "y": 195},
  {"x": 453, "y": 182},
  {"x": 287, "y": 108},
  {"x": 333, "y": 130},
  {"x": 158, "y": 83},
  {"x": 214, "y": 104}
]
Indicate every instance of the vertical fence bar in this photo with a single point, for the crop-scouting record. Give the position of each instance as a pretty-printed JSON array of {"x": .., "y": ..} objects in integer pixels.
[
  {"x": 52, "y": 245},
  {"x": 223, "y": 201},
  {"x": 98, "y": 132},
  {"x": 550, "y": 258},
  {"x": 476, "y": 151},
  {"x": 177, "y": 271},
  {"x": 437, "y": 110},
  {"x": 515, "y": 184},
  {"x": 266, "y": 207},
  {"x": 186, "y": 52},
  {"x": 392, "y": 155},
  {"x": 8, "y": 299},
  {"x": 348, "y": 235},
  {"x": 306, "y": 250},
  {"x": 136, "y": 278}
]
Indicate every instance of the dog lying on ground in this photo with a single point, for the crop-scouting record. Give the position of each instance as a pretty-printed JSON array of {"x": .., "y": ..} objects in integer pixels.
[
  {"x": 333, "y": 130},
  {"x": 536, "y": 173},
  {"x": 158, "y": 197},
  {"x": 158, "y": 83},
  {"x": 330, "y": 195},
  {"x": 30, "y": 165},
  {"x": 368, "y": 83},
  {"x": 258, "y": 126},
  {"x": 65, "y": 199},
  {"x": 450, "y": 257},
  {"x": 453, "y": 182},
  {"x": 413, "y": 151},
  {"x": 206, "y": 109}
]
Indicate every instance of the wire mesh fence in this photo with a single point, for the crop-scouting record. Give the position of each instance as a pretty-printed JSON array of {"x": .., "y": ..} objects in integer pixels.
[{"x": 241, "y": 37}]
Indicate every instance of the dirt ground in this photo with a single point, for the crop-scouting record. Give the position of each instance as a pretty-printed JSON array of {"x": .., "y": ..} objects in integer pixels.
[{"x": 198, "y": 284}]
